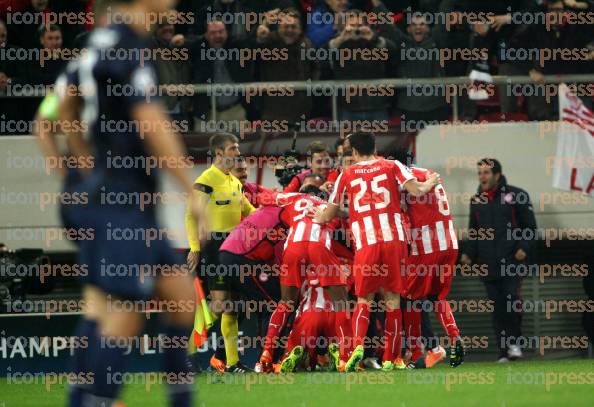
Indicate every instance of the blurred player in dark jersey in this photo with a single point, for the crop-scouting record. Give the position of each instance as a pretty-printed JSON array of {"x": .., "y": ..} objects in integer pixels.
[{"x": 116, "y": 93}]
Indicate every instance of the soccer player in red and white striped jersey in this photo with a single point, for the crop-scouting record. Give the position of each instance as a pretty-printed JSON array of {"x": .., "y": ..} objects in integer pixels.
[
  {"x": 314, "y": 319},
  {"x": 372, "y": 187},
  {"x": 307, "y": 255},
  {"x": 434, "y": 251}
]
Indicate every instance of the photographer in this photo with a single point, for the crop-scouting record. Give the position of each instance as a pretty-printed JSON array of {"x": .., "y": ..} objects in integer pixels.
[
  {"x": 284, "y": 32},
  {"x": 367, "y": 56},
  {"x": 319, "y": 163},
  {"x": 418, "y": 104},
  {"x": 213, "y": 60}
]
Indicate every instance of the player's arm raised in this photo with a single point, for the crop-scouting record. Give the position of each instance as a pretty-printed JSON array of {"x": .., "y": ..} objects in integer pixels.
[{"x": 417, "y": 188}]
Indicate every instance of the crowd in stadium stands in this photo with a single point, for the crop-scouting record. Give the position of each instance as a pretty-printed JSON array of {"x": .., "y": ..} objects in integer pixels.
[{"x": 504, "y": 37}]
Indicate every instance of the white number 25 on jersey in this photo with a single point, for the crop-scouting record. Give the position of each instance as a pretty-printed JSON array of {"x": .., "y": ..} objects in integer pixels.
[{"x": 376, "y": 188}]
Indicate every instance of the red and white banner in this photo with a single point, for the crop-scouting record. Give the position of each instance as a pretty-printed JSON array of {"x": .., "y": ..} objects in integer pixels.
[{"x": 574, "y": 163}]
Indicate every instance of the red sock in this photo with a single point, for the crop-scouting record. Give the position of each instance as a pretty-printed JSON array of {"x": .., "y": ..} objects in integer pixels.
[
  {"x": 443, "y": 313},
  {"x": 342, "y": 325},
  {"x": 360, "y": 323},
  {"x": 278, "y": 319},
  {"x": 412, "y": 329},
  {"x": 392, "y": 334}
]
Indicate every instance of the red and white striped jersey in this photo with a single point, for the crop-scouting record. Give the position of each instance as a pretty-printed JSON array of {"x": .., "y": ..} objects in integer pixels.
[
  {"x": 313, "y": 298},
  {"x": 372, "y": 190},
  {"x": 302, "y": 227},
  {"x": 432, "y": 227}
]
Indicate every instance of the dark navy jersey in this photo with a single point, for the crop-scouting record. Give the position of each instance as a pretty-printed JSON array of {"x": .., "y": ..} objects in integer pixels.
[{"x": 113, "y": 78}]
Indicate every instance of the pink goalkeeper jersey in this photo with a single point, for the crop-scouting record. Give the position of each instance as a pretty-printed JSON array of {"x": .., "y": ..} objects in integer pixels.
[{"x": 257, "y": 236}]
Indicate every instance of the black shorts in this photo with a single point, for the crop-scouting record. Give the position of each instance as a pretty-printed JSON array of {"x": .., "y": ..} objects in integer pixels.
[
  {"x": 253, "y": 280},
  {"x": 209, "y": 267}
]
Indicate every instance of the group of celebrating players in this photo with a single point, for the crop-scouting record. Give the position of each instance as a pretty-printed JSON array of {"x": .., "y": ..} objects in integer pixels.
[
  {"x": 386, "y": 251},
  {"x": 370, "y": 228}
]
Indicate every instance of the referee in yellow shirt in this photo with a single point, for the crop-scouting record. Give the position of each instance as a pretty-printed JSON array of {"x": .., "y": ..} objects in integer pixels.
[{"x": 222, "y": 195}]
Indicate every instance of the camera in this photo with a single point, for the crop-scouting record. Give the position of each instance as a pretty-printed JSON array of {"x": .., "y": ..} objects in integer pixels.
[
  {"x": 357, "y": 31},
  {"x": 288, "y": 165},
  {"x": 19, "y": 275}
]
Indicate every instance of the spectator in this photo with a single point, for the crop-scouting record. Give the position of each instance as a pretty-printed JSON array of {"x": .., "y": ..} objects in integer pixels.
[
  {"x": 262, "y": 6},
  {"x": 455, "y": 36},
  {"x": 558, "y": 36},
  {"x": 289, "y": 37},
  {"x": 45, "y": 70},
  {"x": 25, "y": 34},
  {"x": 503, "y": 214},
  {"x": 11, "y": 73},
  {"x": 232, "y": 12},
  {"x": 357, "y": 35},
  {"x": 172, "y": 69},
  {"x": 13, "y": 6},
  {"x": 73, "y": 7},
  {"x": 418, "y": 104},
  {"x": 9, "y": 69},
  {"x": 318, "y": 161},
  {"x": 496, "y": 35},
  {"x": 321, "y": 27},
  {"x": 217, "y": 67}
]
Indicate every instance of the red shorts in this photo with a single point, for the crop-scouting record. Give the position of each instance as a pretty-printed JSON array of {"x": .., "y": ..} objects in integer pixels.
[
  {"x": 430, "y": 274},
  {"x": 309, "y": 327},
  {"x": 378, "y": 266},
  {"x": 311, "y": 261}
]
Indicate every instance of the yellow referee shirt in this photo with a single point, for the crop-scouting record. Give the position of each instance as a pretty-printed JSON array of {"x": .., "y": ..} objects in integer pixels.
[{"x": 226, "y": 203}]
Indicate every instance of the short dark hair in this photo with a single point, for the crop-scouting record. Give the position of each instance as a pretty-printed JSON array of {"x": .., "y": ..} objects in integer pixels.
[
  {"x": 292, "y": 12},
  {"x": 316, "y": 147},
  {"x": 492, "y": 163},
  {"x": 363, "y": 142},
  {"x": 405, "y": 156},
  {"x": 219, "y": 140},
  {"x": 44, "y": 28},
  {"x": 315, "y": 191}
]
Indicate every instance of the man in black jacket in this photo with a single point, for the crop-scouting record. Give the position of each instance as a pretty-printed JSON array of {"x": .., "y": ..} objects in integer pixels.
[
  {"x": 502, "y": 216},
  {"x": 216, "y": 59},
  {"x": 372, "y": 58}
]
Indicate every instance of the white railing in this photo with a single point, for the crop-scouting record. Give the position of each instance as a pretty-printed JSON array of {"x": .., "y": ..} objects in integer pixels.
[{"x": 212, "y": 90}]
